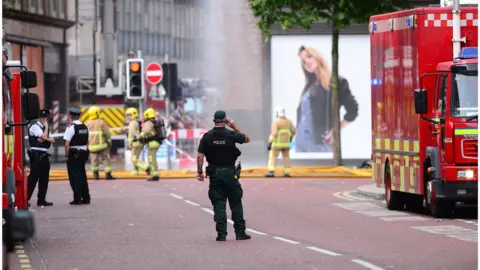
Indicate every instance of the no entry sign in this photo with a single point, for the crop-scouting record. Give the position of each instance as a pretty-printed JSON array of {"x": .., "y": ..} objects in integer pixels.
[{"x": 154, "y": 73}]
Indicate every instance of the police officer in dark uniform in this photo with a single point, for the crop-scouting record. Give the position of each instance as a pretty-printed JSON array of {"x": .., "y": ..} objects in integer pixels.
[
  {"x": 218, "y": 146},
  {"x": 76, "y": 153},
  {"x": 40, "y": 141}
]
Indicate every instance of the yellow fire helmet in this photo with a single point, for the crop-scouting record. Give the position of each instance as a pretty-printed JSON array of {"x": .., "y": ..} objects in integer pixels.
[
  {"x": 149, "y": 113},
  {"x": 94, "y": 112},
  {"x": 132, "y": 111}
]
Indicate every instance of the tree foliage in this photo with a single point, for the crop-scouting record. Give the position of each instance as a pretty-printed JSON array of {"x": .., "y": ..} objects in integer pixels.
[{"x": 339, "y": 14}]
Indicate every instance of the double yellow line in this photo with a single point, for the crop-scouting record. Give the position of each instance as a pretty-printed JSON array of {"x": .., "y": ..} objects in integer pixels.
[{"x": 347, "y": 195}]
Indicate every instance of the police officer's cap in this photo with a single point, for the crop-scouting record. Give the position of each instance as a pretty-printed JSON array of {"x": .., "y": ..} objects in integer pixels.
[
  {"x": 219, "y": 116},
  {"x": 75, "y": 111},
  {"x": 44, "y": 113}
]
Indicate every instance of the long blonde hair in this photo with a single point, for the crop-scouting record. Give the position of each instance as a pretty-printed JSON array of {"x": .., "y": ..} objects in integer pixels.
[{"x": 323, "y": 69}]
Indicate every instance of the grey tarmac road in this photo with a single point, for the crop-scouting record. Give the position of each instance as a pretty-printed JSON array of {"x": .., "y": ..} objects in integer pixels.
[{"x": 295, "y": 224}]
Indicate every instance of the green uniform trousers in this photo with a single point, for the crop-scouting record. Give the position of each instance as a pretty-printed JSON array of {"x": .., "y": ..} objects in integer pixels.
[{"x": 223, "y": 186}]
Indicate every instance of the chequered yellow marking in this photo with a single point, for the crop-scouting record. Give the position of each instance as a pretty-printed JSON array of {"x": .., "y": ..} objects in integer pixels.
[
  {"x": 402, "y": 167},
  {"x": 115, "y": 118}
]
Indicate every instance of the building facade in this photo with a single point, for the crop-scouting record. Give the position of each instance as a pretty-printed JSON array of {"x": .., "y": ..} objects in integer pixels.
[{"x": 36, "y": 32}]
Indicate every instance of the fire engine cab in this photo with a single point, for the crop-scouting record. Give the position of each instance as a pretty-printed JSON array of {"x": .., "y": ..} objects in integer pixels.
[
  {"x": 424, "y": 69},
  {"x": 19, "y": 107}
]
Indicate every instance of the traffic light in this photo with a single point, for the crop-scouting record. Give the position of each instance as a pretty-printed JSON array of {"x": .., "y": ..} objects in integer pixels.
[
  {"x": 170, "y": 81},
  {"x": 135, "y": 78}
]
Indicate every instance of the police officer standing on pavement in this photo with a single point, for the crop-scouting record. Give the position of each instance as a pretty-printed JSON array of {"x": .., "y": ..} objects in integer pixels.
[
  {"x": 218, "y": 146},
  {"x": 76, "y": 153},
  {"x": 99, "y": 144},
  {"x": 40, "y": 141},
  {"x": 134, "y": 144}
]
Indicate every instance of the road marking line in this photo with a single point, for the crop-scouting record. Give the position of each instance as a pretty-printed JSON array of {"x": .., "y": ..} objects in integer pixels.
[
  {"x": 355, "y": 198},
  {"x": 367, "y": 264},
  {"x": 324, "y": 251},
  {"x": 230, "y": 221},
  {"x": 192, "y": 203},
  {"x": 176, "y": 196},
  {"x": 26, "y": 266},
  {"x": 256, "y": 232},
  {"x": 340, "y": 196},
  {"x": 22, "y": 256},
  {"x": 286, "y": 240},
  {"x": 24, "y": 261},
  {"x": 405, "y": 218},
  {"x": 208, "y": 210}
]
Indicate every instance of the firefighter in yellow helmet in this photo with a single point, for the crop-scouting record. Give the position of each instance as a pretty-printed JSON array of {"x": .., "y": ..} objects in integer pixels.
[
  {"x": 281, "y": 135},
  {"x": 133, "y": 143},
  {"x": 99, "y": 143},
  {"x": 149, "y": 137}
]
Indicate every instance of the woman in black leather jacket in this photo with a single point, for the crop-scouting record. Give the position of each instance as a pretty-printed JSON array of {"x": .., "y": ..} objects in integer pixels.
[{"x": 314, "y": 124}]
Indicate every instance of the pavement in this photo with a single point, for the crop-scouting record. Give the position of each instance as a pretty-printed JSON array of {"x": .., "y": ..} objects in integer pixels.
[
  {"x": 371, "y": 191},
  {"x": 294, "y": 223}
]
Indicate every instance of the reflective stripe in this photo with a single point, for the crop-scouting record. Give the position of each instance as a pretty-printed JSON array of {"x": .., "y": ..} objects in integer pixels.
[
  {"x": 466, "y": 131},
  {"x": 97, "y": 147},
  {"x": 107, "y": 169},
  {"x": 277, "y": 142},
  {"x": 436, "y": 120}
]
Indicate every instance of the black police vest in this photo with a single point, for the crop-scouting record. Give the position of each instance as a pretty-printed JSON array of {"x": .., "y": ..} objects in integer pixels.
[
  {"x": 80, "y": 138},
  {"x": 221, "y": 149},
  {"x": 33, "y": 140}
]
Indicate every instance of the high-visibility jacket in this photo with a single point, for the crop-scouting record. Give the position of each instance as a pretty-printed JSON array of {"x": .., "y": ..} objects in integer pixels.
[
  {"x": 282, "y": 132},
  {"x": 100, "y": 138},
  {"x": 148, "y": 131},
  {"x": 134, "y": 130}
]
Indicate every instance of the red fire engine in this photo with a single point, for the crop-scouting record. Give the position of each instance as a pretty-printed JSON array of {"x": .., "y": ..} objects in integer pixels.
[
  {"x": 424, "y": 107},
  {"x": 19, "y": 107}
]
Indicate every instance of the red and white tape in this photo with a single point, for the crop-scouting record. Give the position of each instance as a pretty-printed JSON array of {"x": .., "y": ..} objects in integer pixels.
[{"x": 56, "y": 115}]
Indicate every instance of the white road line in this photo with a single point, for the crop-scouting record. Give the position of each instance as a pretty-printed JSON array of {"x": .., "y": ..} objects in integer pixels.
[
  {"x": 255, "y": 232},
  {"x": 406, "y": 218},
  {"x": 367, "y": 264},
  {"x": 208, "y": 210},
  {"x": 324, "y": 251},
  {"x": 230, "y": 221},
  {"x": 192, "y": 203},
  {"x": 176, "y": 196},
  {"x": 285, "y": 240}
]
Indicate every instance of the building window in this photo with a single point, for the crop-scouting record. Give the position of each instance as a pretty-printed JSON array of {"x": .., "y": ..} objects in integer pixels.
[{"x": 53, "y": 8}]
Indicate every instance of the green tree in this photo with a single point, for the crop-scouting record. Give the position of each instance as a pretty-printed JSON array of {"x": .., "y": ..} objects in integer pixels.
[{"x": 338, "y": 14}]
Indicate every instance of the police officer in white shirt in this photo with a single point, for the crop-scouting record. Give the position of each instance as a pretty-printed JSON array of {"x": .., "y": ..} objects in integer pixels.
[
  {"x": 76, "y": 153},
  {"x": 40, "y": 141}
]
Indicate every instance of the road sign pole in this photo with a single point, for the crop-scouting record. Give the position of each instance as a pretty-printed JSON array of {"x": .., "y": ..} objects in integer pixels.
[{"x": 167, "y": 115}]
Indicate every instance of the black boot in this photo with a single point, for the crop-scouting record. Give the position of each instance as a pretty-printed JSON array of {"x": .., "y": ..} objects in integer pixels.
[
  {"x": 243, "y": 236},
  {"x": 286, "y": 175},
  {"x": 96, "y": 176},
  {"x": 44, "y": 203},
  {"x": 154, "y": 178},
  {"x": 221, "y": 237},
  {"x": 270, "y": 174},
  {"x": 148, "y": 171},
  {"x": 108, "y": 176}
]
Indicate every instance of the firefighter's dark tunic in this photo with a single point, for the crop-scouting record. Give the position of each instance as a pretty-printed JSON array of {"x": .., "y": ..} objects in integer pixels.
[
  {"x": 39, "y": 162},
  {"x": 77, "y": 134},
  {"x": 219, "y": 148}
]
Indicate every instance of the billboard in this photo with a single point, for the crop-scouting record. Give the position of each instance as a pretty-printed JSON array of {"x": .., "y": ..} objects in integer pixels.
[{"x": 300, "y": 76}]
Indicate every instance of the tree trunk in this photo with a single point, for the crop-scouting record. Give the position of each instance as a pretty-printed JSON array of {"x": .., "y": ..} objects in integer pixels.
[{"x": 337, "y": 144}]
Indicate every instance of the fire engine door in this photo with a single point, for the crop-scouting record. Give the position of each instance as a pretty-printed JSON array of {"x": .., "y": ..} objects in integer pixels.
[{"x": 441, "y": 106}]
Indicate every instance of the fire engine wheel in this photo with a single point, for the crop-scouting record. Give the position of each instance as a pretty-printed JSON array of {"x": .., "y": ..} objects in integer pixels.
[
  {"x": 438, "y": 208},
  {"x": 393, "y": 199}
]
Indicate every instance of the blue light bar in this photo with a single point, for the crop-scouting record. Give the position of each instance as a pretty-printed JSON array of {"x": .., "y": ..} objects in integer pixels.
[{"x": 468, "y": 53}]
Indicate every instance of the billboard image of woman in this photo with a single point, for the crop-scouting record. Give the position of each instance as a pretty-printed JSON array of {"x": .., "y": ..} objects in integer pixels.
[{"x": 314, "y": 112}]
